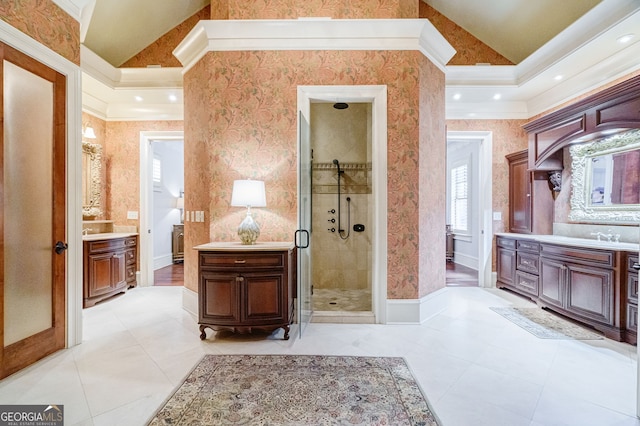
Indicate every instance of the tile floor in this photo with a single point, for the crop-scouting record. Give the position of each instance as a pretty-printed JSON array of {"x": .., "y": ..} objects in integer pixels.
[{"x": 476, "y": 367}]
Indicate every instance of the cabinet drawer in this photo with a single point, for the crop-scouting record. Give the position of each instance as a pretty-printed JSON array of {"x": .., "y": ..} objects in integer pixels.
[
  {"x": 528, "y": 262},
  {"x": 529, "y": 246},
  {"x": 130, "y": 273},
  {"x": 527, "y": 283},
  {"x": 130, "y": 256},
  {"x": 585, "y": 256},
  {"x": 632, "y": 317},
  {"x": 99, "y": 246},
  {"x": 131, "y": 242},
  {"x": 242, "y": 260},
  {"x": 508, "y": 243},
  {"x": 631, "y": 260}
]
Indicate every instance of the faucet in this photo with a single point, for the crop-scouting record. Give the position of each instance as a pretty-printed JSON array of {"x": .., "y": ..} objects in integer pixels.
[
  {"x": 611, "y": 237},
  {"x": 85, "y": 231}
]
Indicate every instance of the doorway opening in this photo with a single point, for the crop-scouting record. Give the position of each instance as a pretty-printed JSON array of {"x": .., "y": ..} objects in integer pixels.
[
  {"x": 156, "y": 230},
  {"x": 352, "y": 168},
  {"x": 469, "y": 209},
  {"x": 342, "y": 209}
]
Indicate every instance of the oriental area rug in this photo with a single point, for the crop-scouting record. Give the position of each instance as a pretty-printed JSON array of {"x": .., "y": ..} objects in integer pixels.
[
  {"x": 546, "y": 325},
  {"x": 297, "y": 390}
]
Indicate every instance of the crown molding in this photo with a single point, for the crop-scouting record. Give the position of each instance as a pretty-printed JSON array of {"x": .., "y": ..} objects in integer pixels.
[
  {"x": 314, "y": 34},
  {"x": 586, "y": 55}
]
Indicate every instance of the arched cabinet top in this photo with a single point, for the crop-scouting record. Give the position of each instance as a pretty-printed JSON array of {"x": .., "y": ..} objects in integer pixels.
[{"x": 609, "y": 111}]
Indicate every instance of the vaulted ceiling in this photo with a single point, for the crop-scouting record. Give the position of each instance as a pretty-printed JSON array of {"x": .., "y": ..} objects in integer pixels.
[
  {"x": 514, "y": 28},
  {"x": 561, "y": 48}
]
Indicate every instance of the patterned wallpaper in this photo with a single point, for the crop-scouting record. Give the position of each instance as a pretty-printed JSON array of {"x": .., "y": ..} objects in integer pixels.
[
  {"x": 45, "y": 22},
  {"x": 336, "y": 9},
  {"x": 240, "y": 122},
  {"x": 469, "y": 50},
  {"x": 160, "y": 52},
  {"x": 432, "y": 153}
]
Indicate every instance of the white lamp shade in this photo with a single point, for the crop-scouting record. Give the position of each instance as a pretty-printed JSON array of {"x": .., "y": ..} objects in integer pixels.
[
  {"x": 248, "y": 193},
  {"x": 179, "y": 203},
  {"x": 89, "y": 133}
]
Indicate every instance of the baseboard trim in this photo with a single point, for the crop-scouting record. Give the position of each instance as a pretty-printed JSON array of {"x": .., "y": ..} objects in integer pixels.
[
  {"x": 190, "y": 301},
  {"x": 162, "y": 261},
  {"x": 417, "y": 311}
]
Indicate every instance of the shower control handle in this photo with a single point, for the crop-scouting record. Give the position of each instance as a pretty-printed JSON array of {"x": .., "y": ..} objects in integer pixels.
[
  {"x": 332, "y": 211},
  {"x": 332, "y": 220},
  {"x": 331, "y": 229}
]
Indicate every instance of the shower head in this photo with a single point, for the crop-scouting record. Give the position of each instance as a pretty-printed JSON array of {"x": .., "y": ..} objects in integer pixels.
[{"x": 341, "y": 105}]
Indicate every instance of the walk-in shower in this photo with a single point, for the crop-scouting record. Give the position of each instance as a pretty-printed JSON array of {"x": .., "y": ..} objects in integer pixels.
[{"x": 341, "y": 249}]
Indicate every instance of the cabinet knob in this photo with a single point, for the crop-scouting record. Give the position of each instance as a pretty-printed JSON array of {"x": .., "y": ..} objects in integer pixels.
[
  {"x": 636, "y": 266},
  {"x": 240, "y": 261}
]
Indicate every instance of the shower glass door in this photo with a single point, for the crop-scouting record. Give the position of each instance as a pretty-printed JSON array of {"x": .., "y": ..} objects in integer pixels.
[{"x": 303, "y": 235}]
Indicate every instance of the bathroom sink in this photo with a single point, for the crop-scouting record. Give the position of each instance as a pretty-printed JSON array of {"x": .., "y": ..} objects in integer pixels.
[{"x": 586, "y": 242}]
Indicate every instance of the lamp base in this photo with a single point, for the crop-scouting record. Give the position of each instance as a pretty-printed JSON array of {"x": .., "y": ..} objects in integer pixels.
[{"x": 248, "y": 231}]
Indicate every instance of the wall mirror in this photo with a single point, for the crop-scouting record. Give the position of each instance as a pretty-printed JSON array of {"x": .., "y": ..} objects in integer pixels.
[
  {"x": 91, "y": 180},
  {"x": 606, "y": 180}
]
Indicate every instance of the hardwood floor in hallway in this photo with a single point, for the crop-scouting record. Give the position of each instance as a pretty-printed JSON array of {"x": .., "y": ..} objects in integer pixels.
[
  {"x": 172, "y": 275},
  {"x": 461, "y": 276}
]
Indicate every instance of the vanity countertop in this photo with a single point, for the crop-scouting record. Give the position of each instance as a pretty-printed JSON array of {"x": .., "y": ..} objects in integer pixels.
[
  {"x": 107, "y": 236},
  {"x": 573, "y": 241},
  {"x": 265, "y": 246}
]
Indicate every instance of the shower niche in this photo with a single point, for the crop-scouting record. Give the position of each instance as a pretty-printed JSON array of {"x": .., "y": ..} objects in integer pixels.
[{"x": 341, "y": 249}]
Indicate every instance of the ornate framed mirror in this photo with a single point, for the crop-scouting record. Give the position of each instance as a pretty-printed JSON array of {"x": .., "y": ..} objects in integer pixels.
[
  {"x": 606, "y": 180},
  {"x": 91, "y": 180}
]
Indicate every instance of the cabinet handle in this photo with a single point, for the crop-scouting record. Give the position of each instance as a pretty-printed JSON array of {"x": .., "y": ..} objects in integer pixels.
[
  {"x": 239, "y": 279},
  {"x": 636, "y": 266},
  {"x": 241, "y": 261}
]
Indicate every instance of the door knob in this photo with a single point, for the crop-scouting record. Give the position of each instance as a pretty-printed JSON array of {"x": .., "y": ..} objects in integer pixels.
[{"x": 60, "y": 247}]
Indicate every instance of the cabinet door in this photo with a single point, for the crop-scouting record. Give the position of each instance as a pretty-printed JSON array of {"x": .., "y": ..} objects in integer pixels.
[
  {"x": 519, "y": 194},
  {"x": 590, "y": 293},
  {"x": 100, "y": 274},
  {"x": 552, "y": 277},
  {"x": 264, "y": 298},
  {"x": 118, "y": 270},
  {"x": 219, "y": 298},
  {"x": 506, "y": 265}
]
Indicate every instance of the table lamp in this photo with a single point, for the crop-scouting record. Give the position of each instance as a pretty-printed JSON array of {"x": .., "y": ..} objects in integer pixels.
[{"x": 248, "y": 193}]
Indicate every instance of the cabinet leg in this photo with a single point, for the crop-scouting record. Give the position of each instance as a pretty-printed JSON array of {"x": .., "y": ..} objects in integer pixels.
[
  {"x": 203, "y": 334},
  {"x": 286, "y": 332}
]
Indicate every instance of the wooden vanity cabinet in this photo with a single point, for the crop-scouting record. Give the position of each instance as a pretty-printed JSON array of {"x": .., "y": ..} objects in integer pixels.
[
  {"x": 596, "y": 287},
  {"x": 246, "y": 288},
  {"x": 109, "y": 267}
]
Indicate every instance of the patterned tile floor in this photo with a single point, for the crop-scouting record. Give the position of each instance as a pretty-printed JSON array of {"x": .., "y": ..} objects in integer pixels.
[{"x": 335, "y": 299}]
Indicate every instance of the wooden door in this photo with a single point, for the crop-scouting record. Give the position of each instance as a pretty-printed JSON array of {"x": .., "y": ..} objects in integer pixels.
[
  {"x": 33, "y": 210},
  {"x": 519, "y": 193}
]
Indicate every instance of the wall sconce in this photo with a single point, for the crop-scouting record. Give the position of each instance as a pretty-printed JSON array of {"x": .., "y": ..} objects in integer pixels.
[
  {"x": 88, "y": 133},
  {"x": 180, "y": 205},
  {"x": 248, "y": 193}
]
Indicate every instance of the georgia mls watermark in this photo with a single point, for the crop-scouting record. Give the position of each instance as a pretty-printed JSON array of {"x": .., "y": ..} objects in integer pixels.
[{"x": 31, "y": 415}]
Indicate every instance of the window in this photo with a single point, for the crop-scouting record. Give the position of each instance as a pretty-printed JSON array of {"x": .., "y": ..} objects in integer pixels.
[
  {"x": 157, "y": 173},
  {"x": 460, "y": 198}
]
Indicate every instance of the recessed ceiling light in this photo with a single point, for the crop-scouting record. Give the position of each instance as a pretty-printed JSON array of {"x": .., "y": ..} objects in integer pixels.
[
  {"x": 472, "y": 114},
  {"x": 457, "y": 96},
  {"x": 139, "y": 98},
  {"x": 625, "y": 38},
  {"x": 558, "y": 77},
  {"x": 497, "y": 96},
  {"x": 173, "y": 98}
]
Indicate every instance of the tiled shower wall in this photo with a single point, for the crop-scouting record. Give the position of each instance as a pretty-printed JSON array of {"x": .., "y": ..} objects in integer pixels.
[{"x": 344, "y": 135}]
